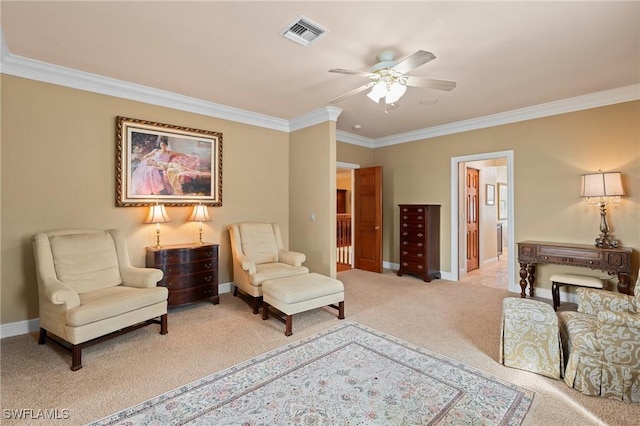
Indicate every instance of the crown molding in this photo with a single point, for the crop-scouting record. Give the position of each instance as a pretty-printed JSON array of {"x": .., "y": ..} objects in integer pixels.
[
  {"x": 578, "y": 103},
  {"x": 48, "y": 73},
  {"x": 320, "y": 115}
]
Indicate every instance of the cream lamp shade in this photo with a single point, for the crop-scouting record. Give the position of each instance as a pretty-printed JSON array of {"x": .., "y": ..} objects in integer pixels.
[
  {"x": 601, "y": 185},
  {"x": 200, "y": 214},
  {"x": 602, "y": 189},
  {"x": 157, "y": 214}
]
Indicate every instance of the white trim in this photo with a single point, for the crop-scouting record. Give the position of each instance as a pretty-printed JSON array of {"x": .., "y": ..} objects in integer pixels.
[
  {"x": 67, "y": 77},
  {"x": 513, "y": 285},
  {"x": 321, "y": 115},
  {"x": 41, "y": 71},
  {"x": 395, "y": 266},
  {"x": 342, "y": 165},
  {"x": 578, "y": 103},
  {"x": 19, "y": 328},
  {"x": 355, "y": 139}
]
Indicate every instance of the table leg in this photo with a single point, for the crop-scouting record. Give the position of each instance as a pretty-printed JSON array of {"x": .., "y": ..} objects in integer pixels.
[
  {"x": 623, "y": 284},
  {"x": 531, "y": 272},
  {"x": 523, "y": 279}
]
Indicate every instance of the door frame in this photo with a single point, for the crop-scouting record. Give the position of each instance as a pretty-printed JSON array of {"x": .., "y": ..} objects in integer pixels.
[{"x": 457, "y": 214}]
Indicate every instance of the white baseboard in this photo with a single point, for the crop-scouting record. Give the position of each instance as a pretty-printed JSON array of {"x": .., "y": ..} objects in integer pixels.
[
  {"x": 33, "y": 325},
  {"x": 396, "y": 266},
  {"x": 20, "y": 327}
]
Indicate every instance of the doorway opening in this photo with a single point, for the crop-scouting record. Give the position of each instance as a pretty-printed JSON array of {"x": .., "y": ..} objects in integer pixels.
[
  {"x": 344, "y": 217},
  {"x": 495, "y": 220}
]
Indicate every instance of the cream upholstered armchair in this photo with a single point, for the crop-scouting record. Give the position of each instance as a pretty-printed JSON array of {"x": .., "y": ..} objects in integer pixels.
[
  {"x": 602, "y": 344},
  {"x": 88, "y": 289},
  {"x": 258, "y": 256}
]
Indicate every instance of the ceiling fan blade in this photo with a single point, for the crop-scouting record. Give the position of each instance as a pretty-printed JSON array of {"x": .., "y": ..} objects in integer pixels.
[
  {"x": 421, "y": 57},
  {"x": 430, "y": 83},
  {"x": 353, "y": 92},
  {"x": 360, "y": 73}
]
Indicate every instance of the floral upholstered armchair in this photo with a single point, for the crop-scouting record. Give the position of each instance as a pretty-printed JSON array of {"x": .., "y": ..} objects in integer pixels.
[{"x": 602, "y": 344}]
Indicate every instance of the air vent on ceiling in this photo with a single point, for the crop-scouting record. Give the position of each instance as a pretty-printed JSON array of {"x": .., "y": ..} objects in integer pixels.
[{"x": 303, "y": 31}]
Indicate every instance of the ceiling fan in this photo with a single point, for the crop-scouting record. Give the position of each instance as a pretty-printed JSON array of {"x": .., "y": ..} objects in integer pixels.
[{"x": 388, "y": 79}]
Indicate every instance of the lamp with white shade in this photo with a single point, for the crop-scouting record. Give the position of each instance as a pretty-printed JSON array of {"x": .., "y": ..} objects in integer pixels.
[
  {"x": 602, "y": 190},
  {"x": 200, "y": 214},
  {"x": 157, "y": 214}
]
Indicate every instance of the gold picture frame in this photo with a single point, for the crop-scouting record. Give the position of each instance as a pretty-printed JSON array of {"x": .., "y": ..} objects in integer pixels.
[{"x": 167, "y": 164}]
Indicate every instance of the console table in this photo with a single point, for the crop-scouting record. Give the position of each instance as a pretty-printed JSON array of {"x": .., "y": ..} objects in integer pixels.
[
  {"x": 190, "y": 271},
  {"x": 612, "y": 260}
]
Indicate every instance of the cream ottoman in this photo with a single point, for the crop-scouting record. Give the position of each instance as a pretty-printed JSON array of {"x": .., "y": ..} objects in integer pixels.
[
  {"x": 299, "y": 293},
  {"x": 558, "y": 280}
]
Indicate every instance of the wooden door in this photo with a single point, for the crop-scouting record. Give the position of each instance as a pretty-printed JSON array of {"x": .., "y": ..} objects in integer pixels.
[
  {"x": 367, "y": 191},
  {"x": 473, "y": 237}
]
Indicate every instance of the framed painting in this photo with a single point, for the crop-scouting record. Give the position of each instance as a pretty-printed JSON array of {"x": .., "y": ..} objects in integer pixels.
[
  {"x": 172, "y": 165},
  {"x": 490, "y": 199},
  {"x": 502, "y": 201}
]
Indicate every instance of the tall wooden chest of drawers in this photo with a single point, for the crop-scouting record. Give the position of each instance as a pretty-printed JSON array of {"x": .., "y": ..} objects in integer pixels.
[
  {"x": 420, "y": 240},
  {"x": 190, "y": 271}
]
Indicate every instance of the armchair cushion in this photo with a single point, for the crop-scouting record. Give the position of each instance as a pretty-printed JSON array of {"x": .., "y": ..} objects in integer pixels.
[
  {"x": 113, "y": 301},
  {"x": 86, "y": 262},
  {"x": 258, "y": 242}
]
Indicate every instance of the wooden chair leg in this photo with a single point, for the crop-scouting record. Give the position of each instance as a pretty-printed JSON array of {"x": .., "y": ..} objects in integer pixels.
[
  {"x": 288, "y": 325},
  {"x": 43, "y": 336},
  {"x": 164, "y": 324},
  {"x": 341, "y": 310},
  {"x": 265, "y": 310},
  {"x": 235, "y": 291},
  {"x": 76, "y": 357}
]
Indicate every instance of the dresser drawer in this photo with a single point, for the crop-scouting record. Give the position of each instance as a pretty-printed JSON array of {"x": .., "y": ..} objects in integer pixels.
[
  {"x": 412, "y": 209},
  {"x": 412, "y": 234},
  {"x": 576, "y": 257},
  {"x": 186, "y": 255},
  {"x": 179, "y": 297},
  {"x": 188, "y": 281},
  {"x": 206, "y": 265},
  {"x": 407, "y": 245},
  {"x": 413, "y": 266}
]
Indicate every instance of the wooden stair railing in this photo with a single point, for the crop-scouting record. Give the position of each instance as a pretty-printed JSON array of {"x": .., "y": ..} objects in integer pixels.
[{"x": 343, "y": 241}]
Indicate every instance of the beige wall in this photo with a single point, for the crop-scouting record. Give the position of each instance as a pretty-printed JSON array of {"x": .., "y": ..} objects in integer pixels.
[
  {"x": 550, "y": 154},
  {"x": 312, "y": 180},
  {"x": 354, "y": 154},
  {"x": 58, "y": 171}
]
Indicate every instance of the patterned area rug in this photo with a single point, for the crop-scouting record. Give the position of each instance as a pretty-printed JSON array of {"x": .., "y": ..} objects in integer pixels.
[{"x": 347, "y": 375}]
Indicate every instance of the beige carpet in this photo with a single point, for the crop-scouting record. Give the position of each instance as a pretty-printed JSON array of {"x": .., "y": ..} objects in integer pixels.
[{"x": 458, "y": 320}]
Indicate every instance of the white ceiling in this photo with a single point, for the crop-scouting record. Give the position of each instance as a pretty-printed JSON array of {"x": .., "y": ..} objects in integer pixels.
[{"x": 504, "y": 56}]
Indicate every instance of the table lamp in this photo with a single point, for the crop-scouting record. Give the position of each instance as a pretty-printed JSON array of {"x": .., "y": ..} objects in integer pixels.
[
  {"x": 200, "y": 214},
  {"x": 157, "y": 215},
  {"x": 602, "y": 190}
]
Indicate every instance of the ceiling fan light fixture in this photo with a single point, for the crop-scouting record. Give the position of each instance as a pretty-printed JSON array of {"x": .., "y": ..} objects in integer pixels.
[
  {"x": 396, "y": 90},
  {"x": 379, "y": 90}
]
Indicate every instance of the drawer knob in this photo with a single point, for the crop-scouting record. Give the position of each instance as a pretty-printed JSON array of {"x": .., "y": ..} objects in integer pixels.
[
  {"x": 208, "y": 278},
  {"x": 420, "y": 234},
  {"x": 405, "y": 243},
  {"x": 405, "y": 252},
  {"x": 420, "y": 255},
  {"x": 420, "y": 266},
  {"x": 420, "y": 244}
]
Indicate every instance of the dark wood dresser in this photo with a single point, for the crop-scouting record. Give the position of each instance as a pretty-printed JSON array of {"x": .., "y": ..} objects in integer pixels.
[
  {"x": 420, "y": 240},
  {"x": 190, "y": 271}
]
